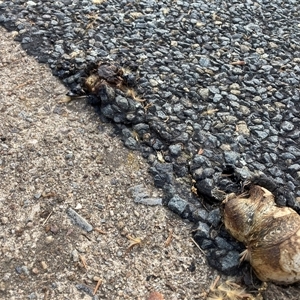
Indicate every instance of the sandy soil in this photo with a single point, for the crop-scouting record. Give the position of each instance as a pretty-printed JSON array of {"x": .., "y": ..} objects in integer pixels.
[{"x": 57, "y": 156}]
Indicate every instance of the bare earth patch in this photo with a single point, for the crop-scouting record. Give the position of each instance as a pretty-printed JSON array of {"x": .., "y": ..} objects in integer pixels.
[{"x": 56, "y": 156}]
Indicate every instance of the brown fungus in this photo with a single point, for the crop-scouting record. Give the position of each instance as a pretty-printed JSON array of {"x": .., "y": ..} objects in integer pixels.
[
  {"x": 270, "y": 233},
  {"x": 105, "y": 78}
]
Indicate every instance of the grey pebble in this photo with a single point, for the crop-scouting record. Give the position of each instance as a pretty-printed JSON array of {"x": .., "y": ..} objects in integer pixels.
[
  {"x": 175, "y": 150},
  {"x": 177, "y": 204},
  {"x": 79, "y": 220},
  {"x": 287, "y": 126}
]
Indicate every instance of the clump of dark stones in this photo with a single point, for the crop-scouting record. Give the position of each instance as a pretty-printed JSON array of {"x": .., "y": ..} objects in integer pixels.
[
  {"x": 107, "y": 86},
  {"x": 111, "y": 88}
]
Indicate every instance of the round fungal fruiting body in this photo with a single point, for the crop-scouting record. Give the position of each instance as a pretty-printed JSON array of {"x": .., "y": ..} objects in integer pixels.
[{"x": 270, "y": 233}]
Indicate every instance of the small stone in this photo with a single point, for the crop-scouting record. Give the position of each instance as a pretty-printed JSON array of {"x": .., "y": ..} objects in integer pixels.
[
  {"x": 84, "y": 288},
  {"x": 200, "y": 161},
  {"x": 224, "y": 261},
  {"x": 294, "y": 167},
  {"x": 69, "y": 155},
  {"x": 201, "y": 214},
  {"x": 25, "y": 270},
  {"x": 78, "y": 206},
  {"x": 205, "y": 186},
  {"x": 225, "y": 147},
  {"x": 242, "y": 128},
  {"x": 257, "y": 98},
  {"x": 217, "y": 98},
  {"x": 54, "y": 228},
  {"x": 163, "y": 174},
  {"x": 235, "y": 92},
  {"x": 177, "y": 204},
  {"x": 44, "y": 265},
  {"x": 35, "y": 271},
  {"x": 37, "y": 195},
  {"x": 287, "y": 126},
  {"x": 49, "y": 239},
  {"x": 4, "y": 220},
  {"x": 260, "y": 51},
  {"x": 32, "y": 296},
  {"x": 223, "y": 244},
  {"x": 2, "y": 286},
  {"x": 131, "y": 143},
  {"x": 79, "y": 220},
  {"x": 31, "y": 3},
  {"x": 204, "y": 93},
  {"x": 204, "y": 62},
  {"x": 153, "y": 82},
  {"x": 6, "y": 276},
  {"x": 244, "y": 110},
  {"x": 122, "y": 103},
  {"x": 175, "y": 150},
  {"x": 244, "y": 48},
  {"x": 75, "y": 255},
  {"x": 232, "y": 99},
  {"x": 273, "y": 45},
  {"x": 214, "y": 217},
  {"x": 261, "y": 134},
  {"x": 235, "y": 86},
  {"x": 230, "y": 261},
  {"x": 202, "y": 230}
]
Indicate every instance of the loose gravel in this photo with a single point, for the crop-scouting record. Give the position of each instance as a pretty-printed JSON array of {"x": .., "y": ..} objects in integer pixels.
[{"x": 221, "y": 84}]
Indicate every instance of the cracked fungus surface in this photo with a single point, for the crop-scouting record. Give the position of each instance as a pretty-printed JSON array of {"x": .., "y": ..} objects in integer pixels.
[{"x": 56, "y": 156}]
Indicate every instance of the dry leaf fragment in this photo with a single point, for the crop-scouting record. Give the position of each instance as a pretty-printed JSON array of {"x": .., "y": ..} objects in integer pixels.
[
  {"x": 133, "y": 242},
  {"x": 99, "y": 230},
  {"x": 194, "y": 190},
  {"x": 200, "y": 151},
  {"x": 132, "y": 93},
  {"x": 160, "y": 157},
  {"x": 48, "y": 195},
  {"x": 169, "y": 239},
  {"x": 147, "y": 106},
  {"x": 83, "y": 260},
  {"x": 167, "y": 119},
  {"x": 98, "y": 1},
  {"x": 238, "y": 63},
  {"x": 228, "y": 290},
  {"x": 155, "y": 296},
  {"x": 65, "y": 99},
  {"x": 209, "y": 112}
]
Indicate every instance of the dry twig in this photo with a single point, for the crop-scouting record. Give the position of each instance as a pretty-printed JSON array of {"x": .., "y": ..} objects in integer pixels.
[
  {"x": 99, "y": 230},
  {"x": 97, "y": 286},
  {"x": 47, "y": 218},
  {"x": 238, "y": 63},
  {"x": 198, "y": 246},
  {"x": 169, "y": 239},
  {"x": 83, "y": 260}
]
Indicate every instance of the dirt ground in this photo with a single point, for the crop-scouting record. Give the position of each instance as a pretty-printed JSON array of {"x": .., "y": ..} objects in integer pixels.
[
  {"x": 54, "y": 157},
  {"x": 57, "y": 156}
]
